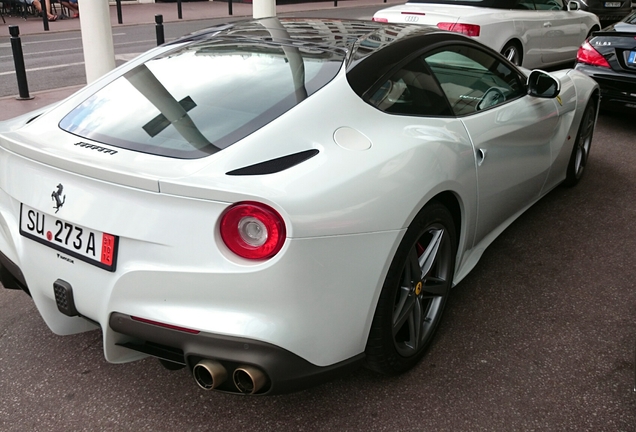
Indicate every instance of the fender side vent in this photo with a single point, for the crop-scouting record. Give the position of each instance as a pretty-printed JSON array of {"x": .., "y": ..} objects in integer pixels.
[{"x": 275, "y": 165}]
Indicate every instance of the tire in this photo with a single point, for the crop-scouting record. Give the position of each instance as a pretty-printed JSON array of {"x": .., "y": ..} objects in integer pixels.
[
  {"x": 582, "y": 145},
  {"x": 410, "y": 308},
  {"x": 512, "y": 52}
]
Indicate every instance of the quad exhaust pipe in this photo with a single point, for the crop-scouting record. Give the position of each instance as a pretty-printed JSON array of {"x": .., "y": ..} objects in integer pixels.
[{"x": 209, "y": 374}]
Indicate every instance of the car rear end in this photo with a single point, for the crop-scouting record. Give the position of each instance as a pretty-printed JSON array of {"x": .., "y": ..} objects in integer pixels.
[
  {"x": 97, "y": 225},
  {"x": 609, "y": 57},
  {"x": 99, "y": 250},
  {"x": 459, "y": 18}
]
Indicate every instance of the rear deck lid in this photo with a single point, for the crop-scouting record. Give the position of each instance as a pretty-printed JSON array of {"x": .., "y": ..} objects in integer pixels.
[{"x": 433, "y": 12}]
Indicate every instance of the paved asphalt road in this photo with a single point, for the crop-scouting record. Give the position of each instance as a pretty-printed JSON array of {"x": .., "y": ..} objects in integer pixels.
[{"x": 540, "y": 336}]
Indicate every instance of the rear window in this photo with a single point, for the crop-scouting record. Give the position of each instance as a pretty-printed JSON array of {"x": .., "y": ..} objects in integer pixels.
[{"x": 202, "y": 97}]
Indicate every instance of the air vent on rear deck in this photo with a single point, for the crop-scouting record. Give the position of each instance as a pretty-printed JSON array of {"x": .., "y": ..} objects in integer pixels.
[
  {"x": 32, "y": 118},
  {"x": 275, "y": 165}
]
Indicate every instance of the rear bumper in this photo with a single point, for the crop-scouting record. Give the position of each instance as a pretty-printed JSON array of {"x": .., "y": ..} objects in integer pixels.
[
  {"x": 309, "y": 301},
  {"x": 330, "y": 316},
  {"x": 285, "y": 371},
  {"x": 618, "y": 90}
]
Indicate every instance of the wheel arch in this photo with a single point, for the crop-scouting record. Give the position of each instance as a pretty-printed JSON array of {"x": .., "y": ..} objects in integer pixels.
[
  {"x": 594, "y": 28},
  {"x": 459, "y": 209},
  {"x": 449, "y": 200},
  {"x": 377, "y": 358},
  {"x": 596, "y": 95}
]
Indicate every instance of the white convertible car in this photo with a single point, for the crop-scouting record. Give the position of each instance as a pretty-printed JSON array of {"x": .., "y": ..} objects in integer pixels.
[
  {"x": 273, "y": 202},
  {"x": 530, "y": 33}
]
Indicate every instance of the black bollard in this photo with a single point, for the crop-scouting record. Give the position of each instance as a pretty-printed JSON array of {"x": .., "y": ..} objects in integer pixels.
[
  {"x": 179, "y": 14},
  {"x": 159, "y": 29},
  {"x": 335, "y": 3},
  {"x": 18, "y": 60},
  {"x": 229, "y": 7},
  {"x": 45, "y": 18},
  {"x": 120, "y": 20}
]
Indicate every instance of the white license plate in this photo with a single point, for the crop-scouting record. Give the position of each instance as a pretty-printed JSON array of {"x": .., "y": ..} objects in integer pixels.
[
  {"x": 85, "y": 244},
  {"x": 612, "y": 4}
]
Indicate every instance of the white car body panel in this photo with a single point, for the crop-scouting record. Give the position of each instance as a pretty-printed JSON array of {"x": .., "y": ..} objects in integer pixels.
[{"x": 547, "y": 37}]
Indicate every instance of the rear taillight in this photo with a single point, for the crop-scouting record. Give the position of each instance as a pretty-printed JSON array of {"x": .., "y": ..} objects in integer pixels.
[
  {"x": 588, "y": 55},
  {"x": 384, "y": 20},
  {"x": 467, "y": 29},
  {"x": 253, "y": 230}
]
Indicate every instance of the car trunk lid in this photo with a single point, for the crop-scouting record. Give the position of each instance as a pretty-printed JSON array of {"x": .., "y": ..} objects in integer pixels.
[
  {"x": 43, "y": 142},
  {"x": 431, "y": 14}
]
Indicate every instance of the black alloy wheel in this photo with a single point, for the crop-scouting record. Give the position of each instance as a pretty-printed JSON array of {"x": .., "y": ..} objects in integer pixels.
[{"x": 414, "y": 293}]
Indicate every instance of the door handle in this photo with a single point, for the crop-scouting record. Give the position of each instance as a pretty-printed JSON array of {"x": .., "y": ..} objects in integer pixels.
[
  {"x": 481, "y": 155},
  {"x": 547, "y": 24}
]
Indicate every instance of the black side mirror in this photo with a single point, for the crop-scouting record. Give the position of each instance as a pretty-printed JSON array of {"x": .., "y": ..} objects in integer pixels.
[{"x": 543, "y": 85}]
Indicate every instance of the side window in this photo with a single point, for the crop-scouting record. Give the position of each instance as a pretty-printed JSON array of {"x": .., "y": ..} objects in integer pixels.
[
  {"x": 550, "y": 5},
  {"x": 474, "y": 80},
  {"x": 524, "y": 5},
  {"x": 411, "y": 90}
]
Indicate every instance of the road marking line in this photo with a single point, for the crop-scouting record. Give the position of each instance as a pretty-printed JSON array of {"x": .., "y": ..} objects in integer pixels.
[
  {"x": 8, "y": 45},
  {"x": 78, "y": 48},
  {"x": 43, "y": 52},
  {"x": 121, "y": 57},
  {"x": 44, "y": 68}
]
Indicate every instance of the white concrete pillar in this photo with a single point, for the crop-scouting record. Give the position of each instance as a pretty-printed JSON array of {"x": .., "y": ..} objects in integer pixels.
[
  {"x": 263, "y": 8},
  {"x": 97, "y": 38}
]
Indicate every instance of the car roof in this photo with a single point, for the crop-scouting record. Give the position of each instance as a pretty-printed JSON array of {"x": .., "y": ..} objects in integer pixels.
[
  {"x": 368, "y": 47},
  {"x": 355, "y": 37}
]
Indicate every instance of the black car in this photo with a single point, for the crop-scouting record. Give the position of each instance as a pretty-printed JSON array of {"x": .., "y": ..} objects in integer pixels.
[
  {"x": 609, "y": 56},
  {"x": 608, "y": 11}
]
